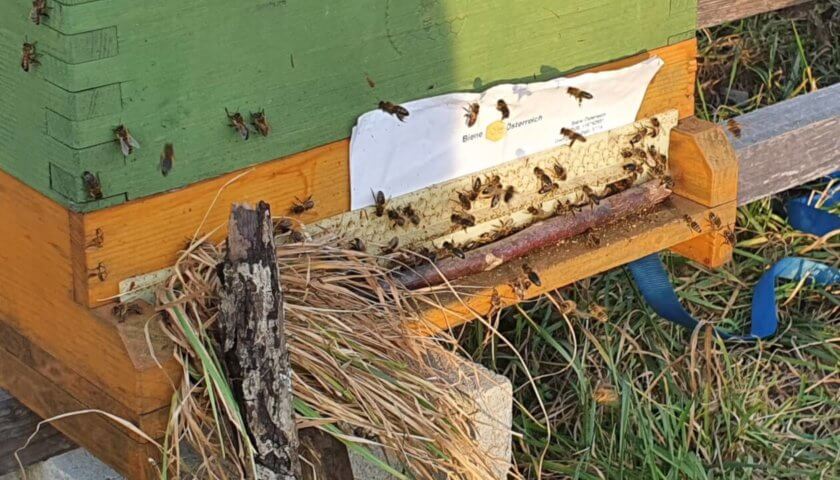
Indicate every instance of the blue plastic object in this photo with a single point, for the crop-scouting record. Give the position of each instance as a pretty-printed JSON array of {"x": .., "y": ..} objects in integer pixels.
[{"x": 653, "y": 282}]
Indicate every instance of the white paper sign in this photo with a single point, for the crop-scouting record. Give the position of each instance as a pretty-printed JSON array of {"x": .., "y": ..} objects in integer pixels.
[{"x": 434, "y": 144}]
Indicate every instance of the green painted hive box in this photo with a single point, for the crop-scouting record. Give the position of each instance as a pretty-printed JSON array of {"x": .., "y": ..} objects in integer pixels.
[{"x": 168, "y": 70}]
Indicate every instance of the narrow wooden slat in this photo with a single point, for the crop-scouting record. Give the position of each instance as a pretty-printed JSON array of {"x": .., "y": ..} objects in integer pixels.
[
  {"x": 145, "y": 235},
  {"x": 16, "y": 425},
  {"x": 788, "y": 144},
  {"x": 715, "y": 12}
]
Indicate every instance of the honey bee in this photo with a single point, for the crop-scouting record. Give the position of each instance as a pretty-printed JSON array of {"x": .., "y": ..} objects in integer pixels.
[
  {"x": 573, "y": 136},
  {"x": 509, "y": 192},
  {"x": 476, "y": 188},
  {"x": 520, "y": 286},
  {"x": 454, "y": 250},
  {"x": 296, "y": 236},
  {"x": 29, "y": 58},
  {"x": 590, "y": 194},
  {"x": 633, "y": 168},
  {"x": 548, "y": 188},
  {"x": 472, "y": 114},
  {"x": 714, "y": 220},
  {"x": 692, "y": 224},
  {"x": 412, "y": 215},
  {"x": 627, "y": 153},
  {"x": 598, "y": 313},
  {"x": 126, "y": 141},
  {"x": 284, "y": 225},
  {"x": 463, "y": 219},
  {"x": 370, "y": 81},
  {"x": 532, "y": 275},
  {"x": 238, "y": 123},
  {"x": 734, "y": 127},
  {"x": 167, "y": 159},
  {"x": 640, "y": 135},
  {"x": 358, "y": 245},
  {"x": 464, "y": 200},
  {"x": 654, "y": 127},
  {"x": 533, "y": 210},
  {"x": 559, "y": 172},
  {"x": 494, "y": 202},
  {"x": 301, "y": 206},
  {"x": 564, "y": 207},
  {"x": 395, "y": 217},
  {"x": 668, "y": 182},
  {"x": 502, "y": 107},
  {"x": 92, "y": 185},
  {"x": 393, "y": 109},
  {"x": 504, "y": 228},
  {"x": 260, "y": 123},
  {"x": 39, "y": 9},
  {"x": 379, "y": 200},
  {"x": 729, "y": 237},
  {"x": 391, "y": 247},
  {"x": 579, "y": 94},
  {"x": 123, "y": 310},
  {"x": 495, "y": 303},
  {"x": 427, "y": 254},
  {"x": 592, "y": 240}
]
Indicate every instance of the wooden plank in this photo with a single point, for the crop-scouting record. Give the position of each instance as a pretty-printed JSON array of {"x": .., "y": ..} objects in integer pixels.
[
  {"x": 788, "y": 144},
  {"x": 305, "y": 63},
  {"x": 145, "y": 235},
  {"x": 17, "y": 423},
  {"x": 715, "y": 12},
  {"x": 574, "y": 260},
  {"x": 102, "y": 437},
  {"x": 36, "y": 301}
]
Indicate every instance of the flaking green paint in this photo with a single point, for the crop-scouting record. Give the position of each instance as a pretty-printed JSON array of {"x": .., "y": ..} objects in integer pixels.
[{"x": 168, "y": 69}]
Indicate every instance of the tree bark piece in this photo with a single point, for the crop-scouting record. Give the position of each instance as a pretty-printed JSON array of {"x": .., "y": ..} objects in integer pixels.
[
  {"x": 538, "y": 235},
  {"x": 254, "y": 342}
]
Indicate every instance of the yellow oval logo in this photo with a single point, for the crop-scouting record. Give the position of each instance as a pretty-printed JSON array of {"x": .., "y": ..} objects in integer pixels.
[{"x": 496, "y": 131}]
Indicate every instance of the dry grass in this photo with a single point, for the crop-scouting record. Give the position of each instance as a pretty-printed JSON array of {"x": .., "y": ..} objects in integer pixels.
[{"x": 359, "y": 374}]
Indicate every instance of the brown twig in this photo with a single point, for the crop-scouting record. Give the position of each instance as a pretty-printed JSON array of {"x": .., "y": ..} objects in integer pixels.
[{"x": 538, "y": 235}]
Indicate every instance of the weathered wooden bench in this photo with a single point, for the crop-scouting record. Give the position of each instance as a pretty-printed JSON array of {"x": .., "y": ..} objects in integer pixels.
[{"x": 62, "y": 349}]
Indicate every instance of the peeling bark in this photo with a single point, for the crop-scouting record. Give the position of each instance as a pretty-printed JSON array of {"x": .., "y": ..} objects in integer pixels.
[
  {"x": 539, "y": 235},
  {"x": 254, "y": 343}
]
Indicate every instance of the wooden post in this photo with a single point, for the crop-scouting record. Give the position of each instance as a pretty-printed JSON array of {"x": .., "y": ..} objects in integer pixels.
[{"x": 254, "y": 342}]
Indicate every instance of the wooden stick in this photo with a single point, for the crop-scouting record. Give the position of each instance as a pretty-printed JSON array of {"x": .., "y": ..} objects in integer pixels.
[
  {"x": 254, "y": 342},
  {"x": 536, "y": 236}
]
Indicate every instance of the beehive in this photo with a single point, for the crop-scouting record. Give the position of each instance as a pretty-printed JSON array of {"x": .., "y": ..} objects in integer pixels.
[{"x": 168, "y": 70}]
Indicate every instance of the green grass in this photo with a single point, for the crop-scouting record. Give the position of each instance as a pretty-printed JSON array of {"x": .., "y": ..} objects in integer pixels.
[{"x": 638, "y": 398}]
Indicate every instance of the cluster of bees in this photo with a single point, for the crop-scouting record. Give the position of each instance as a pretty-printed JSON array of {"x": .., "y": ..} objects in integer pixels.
[
  {"x": 128, "y": 143},
  {"x": 716, "y": 224}
]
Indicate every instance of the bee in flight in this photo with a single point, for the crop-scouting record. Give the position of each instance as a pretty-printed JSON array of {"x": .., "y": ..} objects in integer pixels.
[
  {"x": 29, "y": 58},
  {"x": 301, "y": 206},
  {"x": 167, "y": 159},
  {"x": 92, "y": 185},
  {"x": 579, "y": 94},
  {"x": 472, "y": 113},
  {"x": 39, "y": 9},
  {"x": 393, "y": 109},
  {"x": 238, "y": 123},
  {"x": 260, "y": 123},
  {"x": 572, "y": 135},
  {"x": 126, "y": 141},
  {"x": 502, "y": 107},
  {"x": 509, "y": 192}
]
